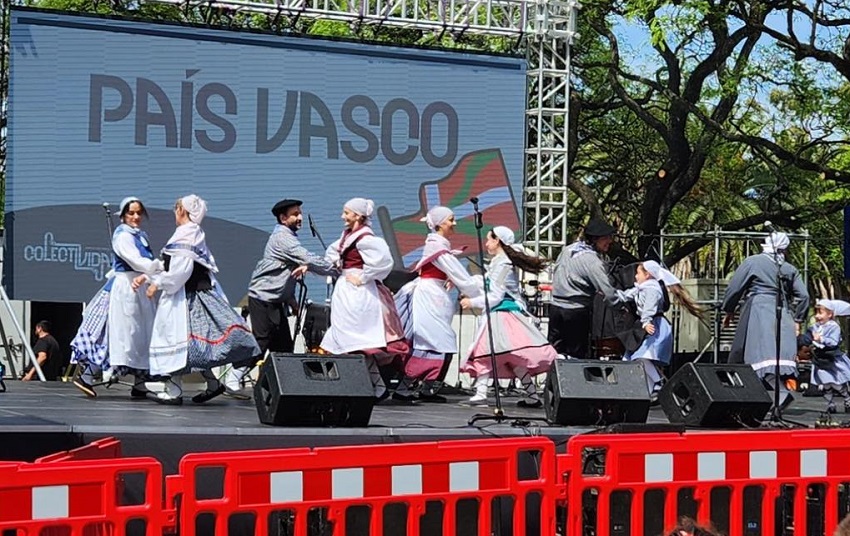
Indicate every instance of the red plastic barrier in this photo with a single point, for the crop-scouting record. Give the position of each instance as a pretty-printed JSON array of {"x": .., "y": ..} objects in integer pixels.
[
  {"x": 106, "y": 448},
  {"x": 742, "y": 482},
  {"x": 452, "y": 487},
  {"x": 81, "y": 498}
]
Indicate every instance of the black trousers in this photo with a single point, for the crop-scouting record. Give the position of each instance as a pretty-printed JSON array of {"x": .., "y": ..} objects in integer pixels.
[
  {"x": 270, "y": 327},
  {"x": 569, "y": 331}
]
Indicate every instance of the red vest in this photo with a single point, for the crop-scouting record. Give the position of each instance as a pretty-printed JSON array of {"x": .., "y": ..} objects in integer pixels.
[
  {"x": 429, "y": 271},
  {"x": 351, "y": 257}
]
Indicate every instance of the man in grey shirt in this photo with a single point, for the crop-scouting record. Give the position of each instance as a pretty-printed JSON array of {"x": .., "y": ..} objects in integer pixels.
[
  {"x": 272, "y": 285},
  {"x": 579, "y": 275}
]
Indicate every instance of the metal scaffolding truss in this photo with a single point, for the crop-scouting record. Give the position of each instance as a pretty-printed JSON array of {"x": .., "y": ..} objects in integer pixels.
[{"x": 544, "y": 28}]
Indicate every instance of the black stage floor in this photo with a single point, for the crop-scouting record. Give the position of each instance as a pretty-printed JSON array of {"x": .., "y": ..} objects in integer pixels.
[{"x": 42, "y": 418}]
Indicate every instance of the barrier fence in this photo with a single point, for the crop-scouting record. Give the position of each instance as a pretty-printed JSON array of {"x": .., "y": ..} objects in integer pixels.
[{"x": 745, "y": 483}]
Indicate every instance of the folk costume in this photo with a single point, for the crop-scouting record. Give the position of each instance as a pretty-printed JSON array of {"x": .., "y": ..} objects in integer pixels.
[
  {"x": 830, "y": 365},
  {"x": 521, "y": 349},
  {"x": 651, "y": 301},
  {"x": 363, "y": 317},
  {"x": 426, "y": 308},
  {"x": 755, "y": 283},
  {"x": 116, "y": 329},
  {"x": 195, "y": 328}
]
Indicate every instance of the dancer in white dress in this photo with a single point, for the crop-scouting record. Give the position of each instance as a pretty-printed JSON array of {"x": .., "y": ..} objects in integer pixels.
[
  {"x": 117, "y": 323},
  {"x": 426, "y": 308},
  {"x": 195, "y": 328},
  {"x": 363, "y": 314}
]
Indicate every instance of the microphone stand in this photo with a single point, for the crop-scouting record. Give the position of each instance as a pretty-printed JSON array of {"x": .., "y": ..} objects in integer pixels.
[
  {"x": 775, "y": 416},
  {"x": 498, "y": 412},
  {"x": 316, "y": 234},
  {"x": 109, "y": 225}
]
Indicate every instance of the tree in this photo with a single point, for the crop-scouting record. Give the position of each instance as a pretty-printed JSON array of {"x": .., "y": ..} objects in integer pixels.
[{"x": 697, "y": 100}]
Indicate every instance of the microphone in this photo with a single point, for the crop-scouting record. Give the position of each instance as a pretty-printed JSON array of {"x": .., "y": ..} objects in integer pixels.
[
  {"x": 311, "y": 224},
  {"x": 105, "y": 206},
  {"x": 769, "y": 225},
  {"x": 477, "y": 217}
]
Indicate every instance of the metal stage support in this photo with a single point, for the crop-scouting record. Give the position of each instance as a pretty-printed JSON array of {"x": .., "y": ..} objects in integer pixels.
[
  {"x": 543, "y": 28},
  {"x": 717, "y": 236}
]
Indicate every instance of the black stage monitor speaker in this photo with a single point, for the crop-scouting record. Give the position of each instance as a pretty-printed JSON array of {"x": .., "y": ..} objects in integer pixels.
[
  {"x": 314, "y": 390},
  {"x": 715, "y": 396},
  {"x": 582, "y": 392}
]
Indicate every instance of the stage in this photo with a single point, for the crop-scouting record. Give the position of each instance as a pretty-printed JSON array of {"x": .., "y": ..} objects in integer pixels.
[{"x": 42, "y": 418}]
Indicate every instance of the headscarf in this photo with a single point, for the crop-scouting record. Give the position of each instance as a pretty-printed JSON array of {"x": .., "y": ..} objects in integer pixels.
[
  {"x": 506, "y": 236},
  {"x": 660, "y": 273},
  {"x": 126, "y": 201},
  {"x": 195, "y": 206},
  {"x": 838, "y": 307},
  {"x": 437, "y": 216},
  {"x": 189, "y": 240},
  {"x": 775, "y": 243},
  {"x": 361, "y": 206}
]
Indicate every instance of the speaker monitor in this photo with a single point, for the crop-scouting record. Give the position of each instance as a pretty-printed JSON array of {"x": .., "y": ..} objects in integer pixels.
[
  {"x": 582, "y": 392},
  {"x": 314, "y": 390},
  {"x": 715, "y": 396}
]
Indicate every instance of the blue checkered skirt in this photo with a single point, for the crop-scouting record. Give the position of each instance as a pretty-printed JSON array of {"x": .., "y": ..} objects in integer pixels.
[
  {"x": 90, "y": 345},
  {"x": 217, "y": 334}
]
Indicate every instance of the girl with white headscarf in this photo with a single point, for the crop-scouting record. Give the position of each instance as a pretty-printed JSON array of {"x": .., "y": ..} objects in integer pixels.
[
  {"x": 830, "y": 365},
  {"x": 520, "y": 348},
  {"x": 426, "y": 309},
  {"x": 195, "y": 328},
  {"x": 117, "y": 323},
  {"x": 652, "y": 338},
  {"x": 363, "y": 316},
  {"x": 755, "y": 285}
]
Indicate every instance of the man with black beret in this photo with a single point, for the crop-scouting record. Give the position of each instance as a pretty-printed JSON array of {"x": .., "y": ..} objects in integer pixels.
[
  {"x": 579, "y": 275},
  {"x": 272, "y": 285}
]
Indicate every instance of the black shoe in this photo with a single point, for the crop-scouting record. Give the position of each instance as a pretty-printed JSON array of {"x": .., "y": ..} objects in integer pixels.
[
  {"x": 830, "y": 408},
  {"x": 529, "y": 404},
  {"x": 85, "y": 387},
  {"x": 208, "y": 395},
  {"x": 434, "y": 399},
  {"x": 404, "y": 399},
  {"x": 137, "y": 393}
]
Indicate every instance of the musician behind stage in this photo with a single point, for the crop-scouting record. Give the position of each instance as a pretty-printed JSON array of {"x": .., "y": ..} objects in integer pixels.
[
  {"x": 579, "y": 275},
  {"x": 272, "y": 285}
]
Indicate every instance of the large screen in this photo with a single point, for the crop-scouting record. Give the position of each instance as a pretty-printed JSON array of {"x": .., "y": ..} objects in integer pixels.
[{"x": 103, "y": 108}]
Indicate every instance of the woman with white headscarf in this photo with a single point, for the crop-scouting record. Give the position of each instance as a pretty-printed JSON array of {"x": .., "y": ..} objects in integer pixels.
[
  {"x": 654, "y": 346},
  {"x": 195, "y": 328},
  {"x": 363, "y": 316},
  {"x": 427, "y": 308},
  {"x": 117, "y": 323},
  {"x": 754, "y": 285},
  {"x": 520, "y": 348}
]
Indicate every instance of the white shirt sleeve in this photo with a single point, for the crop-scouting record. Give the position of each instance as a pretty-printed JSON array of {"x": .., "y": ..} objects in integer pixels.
[
  {"x": 498, "y": 276},
  {"x": 179, "y": 271},
  {"x": 332, "y": 253},
  {"x": 457, "y": 274},
  {"x": 377, "y": 259},
  {"x": 124, "y": 246}
]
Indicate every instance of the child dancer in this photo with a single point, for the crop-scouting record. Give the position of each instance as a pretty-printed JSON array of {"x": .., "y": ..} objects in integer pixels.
[
  {"x": 830, "y": 365},
  {"x": 656, "y": 349}
]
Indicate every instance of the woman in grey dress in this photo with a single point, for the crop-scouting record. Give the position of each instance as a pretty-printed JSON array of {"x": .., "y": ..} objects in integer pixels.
[{"x": 754, "y": 286}]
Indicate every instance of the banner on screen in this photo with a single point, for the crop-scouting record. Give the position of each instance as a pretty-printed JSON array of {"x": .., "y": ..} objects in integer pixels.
[{"x": 105, "y": 108}]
